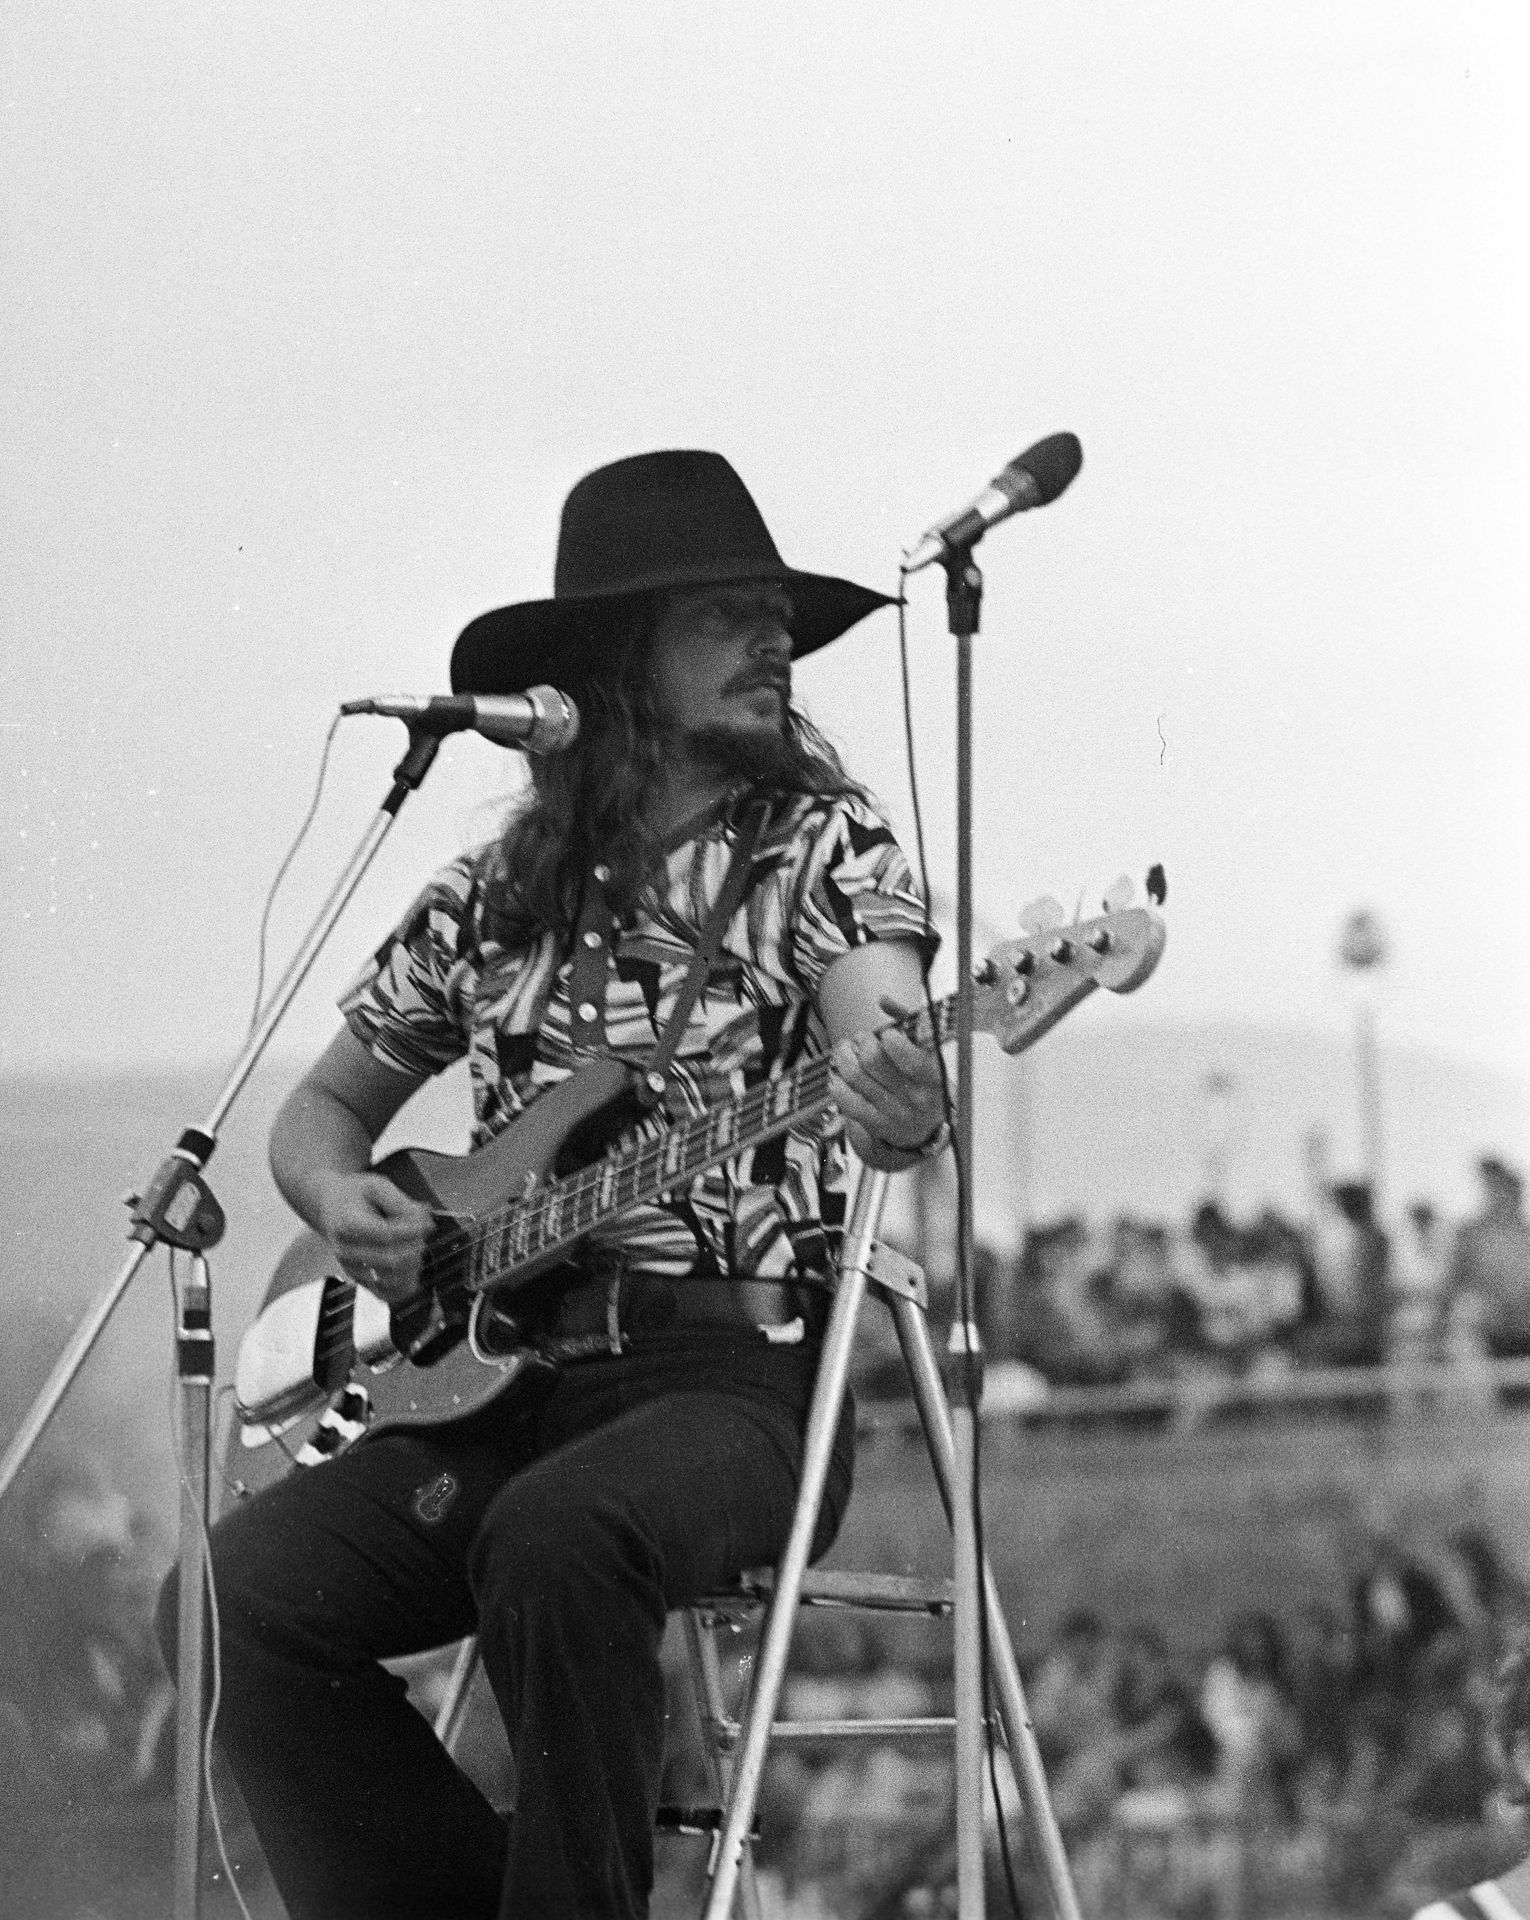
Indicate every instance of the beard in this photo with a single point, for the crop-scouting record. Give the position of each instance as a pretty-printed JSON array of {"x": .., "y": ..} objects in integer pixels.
[{"x": 758, "y": 756}]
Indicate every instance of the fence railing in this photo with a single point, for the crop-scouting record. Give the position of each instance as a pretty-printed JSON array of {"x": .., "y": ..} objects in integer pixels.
[{"x": 1018, "y": 1396}]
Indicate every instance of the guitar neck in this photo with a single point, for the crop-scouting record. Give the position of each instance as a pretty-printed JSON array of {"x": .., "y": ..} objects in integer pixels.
[{"x": 565, "y": 1210}]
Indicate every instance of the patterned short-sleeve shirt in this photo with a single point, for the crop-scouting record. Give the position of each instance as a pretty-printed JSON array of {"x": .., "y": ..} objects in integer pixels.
[{"x": 827, "y": 876}]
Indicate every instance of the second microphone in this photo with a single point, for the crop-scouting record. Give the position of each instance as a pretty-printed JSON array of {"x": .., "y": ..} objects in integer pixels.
[{"x": 540, "y": 720}]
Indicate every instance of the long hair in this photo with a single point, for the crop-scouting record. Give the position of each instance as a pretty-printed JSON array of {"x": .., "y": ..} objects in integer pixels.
[
  {"x": 585, "y": 806},
  {"x": 1511, "y": 1719}
]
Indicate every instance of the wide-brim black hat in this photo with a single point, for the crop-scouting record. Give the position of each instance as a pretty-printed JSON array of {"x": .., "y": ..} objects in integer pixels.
[{"x": 638, "y": 527}]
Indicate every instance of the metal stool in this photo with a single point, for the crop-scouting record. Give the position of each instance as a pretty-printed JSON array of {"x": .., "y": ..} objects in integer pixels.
[{"x": 738, "y": 1749}]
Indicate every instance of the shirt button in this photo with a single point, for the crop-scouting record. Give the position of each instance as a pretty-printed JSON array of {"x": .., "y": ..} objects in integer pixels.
[
  {"x": 592, "y": 938},
  {"x": 587, "y": 1011}
]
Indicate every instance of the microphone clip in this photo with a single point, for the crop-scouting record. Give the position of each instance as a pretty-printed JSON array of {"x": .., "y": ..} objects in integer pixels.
[
  {"x": 964, "y": 587},
  {"x": 419, "y": 756}
]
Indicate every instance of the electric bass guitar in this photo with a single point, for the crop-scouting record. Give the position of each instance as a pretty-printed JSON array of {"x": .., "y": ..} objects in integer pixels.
[{"x": 516, "y": 1210}]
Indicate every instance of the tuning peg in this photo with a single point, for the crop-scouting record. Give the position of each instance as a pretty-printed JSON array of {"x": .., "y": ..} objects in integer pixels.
[
  {"x": 1120, "y": 894},
  {"x": 1042, "y": 915}
]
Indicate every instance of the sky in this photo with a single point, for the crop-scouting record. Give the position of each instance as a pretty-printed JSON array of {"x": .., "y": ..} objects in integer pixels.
[{"x": 316, "y": 314}]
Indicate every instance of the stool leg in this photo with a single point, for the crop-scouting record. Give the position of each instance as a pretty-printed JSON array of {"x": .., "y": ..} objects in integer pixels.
[
  {"x": 780, "y": 1617},
  {"x": 711, "y": 1711},
  {"x": 1025, "y": 1755}
]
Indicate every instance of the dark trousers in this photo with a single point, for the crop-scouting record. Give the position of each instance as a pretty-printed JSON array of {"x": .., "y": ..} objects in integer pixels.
[{"x": 563, "y": 1537}]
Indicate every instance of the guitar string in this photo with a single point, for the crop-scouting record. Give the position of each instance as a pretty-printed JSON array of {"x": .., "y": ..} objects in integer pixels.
[
  {"x": 641, "y": 1171},
  {"x": 806, "y": 1090},
  {"x": 645, "y": 1163},
  {"x": 647, "y": 1169}
]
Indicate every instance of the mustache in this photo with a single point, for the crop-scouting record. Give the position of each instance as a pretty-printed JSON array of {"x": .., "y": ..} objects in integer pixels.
[{"x": 762, "y": 674}]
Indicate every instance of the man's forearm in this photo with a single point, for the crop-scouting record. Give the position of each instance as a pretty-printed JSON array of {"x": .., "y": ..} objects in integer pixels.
[{"x": 315, "y": 1135}]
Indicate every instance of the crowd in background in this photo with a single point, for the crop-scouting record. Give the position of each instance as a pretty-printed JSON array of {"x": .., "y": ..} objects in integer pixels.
[
  {"x": 1338, "y": 1760},
  {"x": 1349, "y": 1747},
  {"x": 86, "y": 1707},
  {"x": 1341, "y": 1761},
  {"x": 1342, "y": 1751},
  {"x": 1139, "y": 1300}
]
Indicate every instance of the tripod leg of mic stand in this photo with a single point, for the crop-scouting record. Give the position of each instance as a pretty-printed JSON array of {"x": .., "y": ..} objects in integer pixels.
[
  {"x": 968, "y": 1674},
  {"x": 65, "y": 1368},
  {"x": 1025, "y": 1755},
  {"x": 194, "y": 1371}
]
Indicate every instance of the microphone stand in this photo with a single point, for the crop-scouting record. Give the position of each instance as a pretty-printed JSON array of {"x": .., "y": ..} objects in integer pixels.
[
  {"x": 976, "y": 1597},
  {"x": 964, "y": 599},
  {"x": 178, "y": 1210}
]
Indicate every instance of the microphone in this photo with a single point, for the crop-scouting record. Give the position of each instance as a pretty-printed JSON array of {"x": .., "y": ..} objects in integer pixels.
[
  {"x": 540, "y": 720},
  {"x": 1032, "y": 479}
]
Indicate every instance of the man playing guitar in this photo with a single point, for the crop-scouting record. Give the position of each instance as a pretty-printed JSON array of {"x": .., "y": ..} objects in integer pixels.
[{"x": 698, "y": 811}]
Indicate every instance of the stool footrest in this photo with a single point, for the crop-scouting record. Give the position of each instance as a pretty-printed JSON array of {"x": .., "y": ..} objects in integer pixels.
[
  {"x": 831, "y": 1587},
  {"x": 726, "y": 1733},
  {"x": 924, "y": 1727}
]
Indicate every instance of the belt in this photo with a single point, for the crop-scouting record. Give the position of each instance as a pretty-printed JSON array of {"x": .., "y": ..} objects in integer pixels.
[{"x": 601, "y": 1314}]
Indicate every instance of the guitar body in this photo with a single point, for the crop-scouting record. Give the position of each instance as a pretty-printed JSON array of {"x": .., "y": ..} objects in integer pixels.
[
  {"x": 567, "y": 1127},
  {"x": 319, "y": 1339}
]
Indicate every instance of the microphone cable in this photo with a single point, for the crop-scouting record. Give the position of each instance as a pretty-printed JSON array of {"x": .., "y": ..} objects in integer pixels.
[
  {"x": 966, "y": 1304},
  {"x": 215, "y": 1635},
  {"x": 281, "y": 873}
]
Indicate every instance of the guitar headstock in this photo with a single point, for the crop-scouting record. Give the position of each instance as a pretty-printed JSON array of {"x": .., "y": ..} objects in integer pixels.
[{"x": 1025, "y": 986}]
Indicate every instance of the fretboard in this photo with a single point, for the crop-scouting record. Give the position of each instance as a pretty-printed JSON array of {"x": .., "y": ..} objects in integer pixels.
[{"x": 564, "y": 1211}]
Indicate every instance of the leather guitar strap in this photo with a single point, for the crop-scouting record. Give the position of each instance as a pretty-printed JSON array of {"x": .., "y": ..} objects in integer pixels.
[{"x": 593, "y": 959}]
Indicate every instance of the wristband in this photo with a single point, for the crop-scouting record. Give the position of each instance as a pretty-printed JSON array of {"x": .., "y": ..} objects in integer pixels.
[{"x": 934, "y": 1142}]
